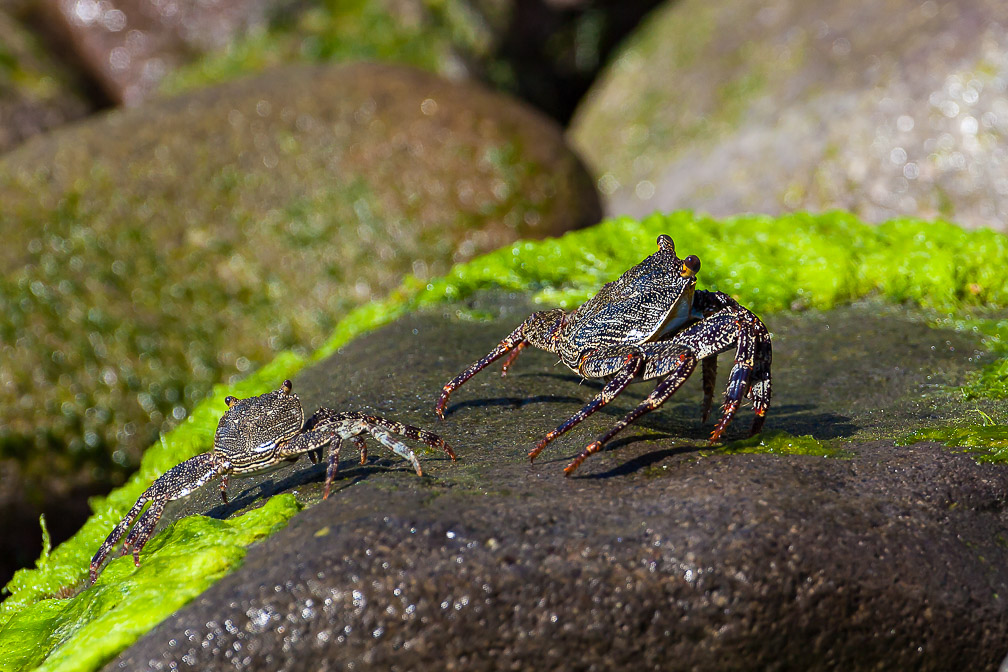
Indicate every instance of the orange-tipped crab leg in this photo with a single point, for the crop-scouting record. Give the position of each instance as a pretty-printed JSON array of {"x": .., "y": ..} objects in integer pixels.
[
  {"x": 630, "y": 359},
  {"x": 175, "y": 483},
  {"x": 670, "y": 360},
  {"x": 514, "y": 339}
]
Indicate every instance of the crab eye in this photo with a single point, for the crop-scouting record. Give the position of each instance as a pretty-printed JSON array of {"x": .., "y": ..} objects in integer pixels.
[
  {"x": 691, "y": 266},
  {"x": 287, "y": 387},
  {"x": 230, "y": 401}
]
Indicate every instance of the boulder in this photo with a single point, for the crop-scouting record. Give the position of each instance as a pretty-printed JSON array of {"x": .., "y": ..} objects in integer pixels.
[
  {"x": 660, "y": 553},
  {"x": 881, "y": 108}
]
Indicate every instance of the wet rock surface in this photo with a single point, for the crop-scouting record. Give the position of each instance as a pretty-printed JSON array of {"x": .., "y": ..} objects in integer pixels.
[
  {"x": 660, "y": 553},
  {"x": 163, "y": 249},
  {"x": 882, "y": 108}
]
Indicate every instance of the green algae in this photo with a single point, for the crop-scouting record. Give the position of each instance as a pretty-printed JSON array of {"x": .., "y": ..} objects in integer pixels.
[
  {"x": 770, "y": 264},
  {"x": 770, "y": 442},
  {"x": 85, "y": 631},
  {"x": 985, "y": 443},
  {"x": 776, "y": 442}
]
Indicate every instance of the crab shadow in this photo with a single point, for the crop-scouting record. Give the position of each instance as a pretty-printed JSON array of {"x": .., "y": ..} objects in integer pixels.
[
  {"x": 639, "y": 462},
  {"x": 509, "y": 402},
  {"x": 808, "y": 419},
  {"x": 302, "y": 476},
  {"x": 796, "y": 419}
]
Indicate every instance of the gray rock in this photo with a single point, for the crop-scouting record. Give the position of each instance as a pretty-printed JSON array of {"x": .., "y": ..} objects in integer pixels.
[
  {"x": 659, "y": 554},
  {"x": 881, "y": 108},
  {"x": 163, "y": 249}
]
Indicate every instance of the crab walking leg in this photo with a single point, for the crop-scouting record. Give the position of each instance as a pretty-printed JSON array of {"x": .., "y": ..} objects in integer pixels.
[
  {"x": 542, "y": 329},
  {"x": 361, "y": 445},
  {"x": 759, "y": 390},
  {"x": 513, "y": 356},
  {"x": 738, "y": 379},
  {"x": 175, "y": 483},
  {"x": 396, "y": 446},
  {"x": 330, "y": 427},
  {"x": 625, "y": 361},
  {"x": 676, "y": 364},
  {"x": 402, "y": 429},
  {"x": 143, "y": 530},
  {"x": 728, "y": 323},
  {"x": 513, "y": 339},
  {"x": 332, "y": 466}
]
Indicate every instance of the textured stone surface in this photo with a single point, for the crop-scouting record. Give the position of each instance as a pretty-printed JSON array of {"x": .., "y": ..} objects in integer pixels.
[
  {"x": 881, "y": 108},
  {"x": 163, "y": 249},
  {"x": 658, "y": 555}
]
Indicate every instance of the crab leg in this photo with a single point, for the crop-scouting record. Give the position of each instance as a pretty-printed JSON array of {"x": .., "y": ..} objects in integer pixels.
[
  {"x": 513, "y": 356},
  {"x": 328, "y": 426},
  {"x": 361, "y": 446},
  {"x": 175, "y": 483},
  {"x": 598, "y": 365},
  {"x": 676, "y": 364},
  {"x": 729, "y": 323},
  {"x": 515, "y": 338},
  {"x": 759, "y": 390},
  {"x": 409, "y": 431}
]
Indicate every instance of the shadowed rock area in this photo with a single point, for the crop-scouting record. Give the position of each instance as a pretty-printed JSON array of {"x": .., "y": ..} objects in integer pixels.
[{"x": 660, "y": 554}]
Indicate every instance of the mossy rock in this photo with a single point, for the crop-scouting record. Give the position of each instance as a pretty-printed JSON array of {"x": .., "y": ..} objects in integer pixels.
[
  {"x": 880, "y": 108},
  {"x": 152, "y": 253},
  {"x": 878, "y": 331}
]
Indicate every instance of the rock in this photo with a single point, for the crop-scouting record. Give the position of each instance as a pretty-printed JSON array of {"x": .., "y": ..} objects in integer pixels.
[
  {"x": 36, "y": 92},
  {"x": 164, "y": 249},
  {"x": 127, "y": 46},
  {"x": 883, "y": 109},
  {"x": 546, "y": 52},
  {"x": 659, "y": 554}
]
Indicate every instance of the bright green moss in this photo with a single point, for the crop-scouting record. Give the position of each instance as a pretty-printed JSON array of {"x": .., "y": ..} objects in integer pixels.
[
  {"x": 770, "y": 264},
  {"x": 987, "y": 442},
  {"x": 777, "y": 442},
  {"x": 85, "y": 631}
]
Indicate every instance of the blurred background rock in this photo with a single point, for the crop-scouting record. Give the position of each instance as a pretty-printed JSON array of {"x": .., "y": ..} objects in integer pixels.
[
  {"x": 188, "y": 187},
  {"x": 889, "y": 108}
]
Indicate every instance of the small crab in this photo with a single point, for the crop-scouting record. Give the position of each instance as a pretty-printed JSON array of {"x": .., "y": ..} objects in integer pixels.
[
  {"x": 257, "y": 434},
  {"x": 649, "y": 323}
]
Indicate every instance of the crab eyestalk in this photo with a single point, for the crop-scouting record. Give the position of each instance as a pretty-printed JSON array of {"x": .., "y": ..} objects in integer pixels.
[{"x": 690, "y": 266}]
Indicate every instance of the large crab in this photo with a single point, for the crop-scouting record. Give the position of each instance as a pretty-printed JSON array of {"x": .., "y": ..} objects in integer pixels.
[
  {"x": 649, "y": 323},
  {"x": 257, "y": 434}
]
